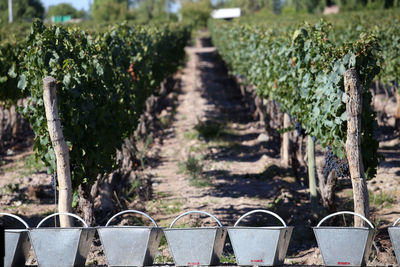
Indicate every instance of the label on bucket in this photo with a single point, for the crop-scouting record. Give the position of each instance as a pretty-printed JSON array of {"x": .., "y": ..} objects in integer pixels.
[
  {"x": 343, "y": 263},
  {"x": 256, "y": 260},
  {"x": 193, "y": 263}
]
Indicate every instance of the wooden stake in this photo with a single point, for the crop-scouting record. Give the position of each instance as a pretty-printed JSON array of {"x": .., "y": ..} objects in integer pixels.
[
  {"x": 397, "y": 114},
  {"x": 353, "y": 145},
  {"x": 285, "y": 149},
  {"x": 60, "y": 149},
  {"x": 311, "y": 173}
]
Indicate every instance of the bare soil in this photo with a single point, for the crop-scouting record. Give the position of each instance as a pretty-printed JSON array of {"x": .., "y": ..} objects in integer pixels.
[{"x": 212, "y": 155}]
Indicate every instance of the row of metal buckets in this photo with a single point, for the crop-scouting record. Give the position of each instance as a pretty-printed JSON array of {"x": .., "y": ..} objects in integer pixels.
[{"x": 137, "y": 245}]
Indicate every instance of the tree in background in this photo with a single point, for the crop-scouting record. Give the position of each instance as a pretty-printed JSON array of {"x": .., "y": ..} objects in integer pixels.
[
  {"x": 23, "y": 10},
  {"x": 110, "y": 10},
  {"x": 196, "y": 12},
  {"x": 370, "y": 4},
  {"x": 65, "y": 9},
  {"x": 153, "y": 10},
  {"x": 303, "y": 6}
]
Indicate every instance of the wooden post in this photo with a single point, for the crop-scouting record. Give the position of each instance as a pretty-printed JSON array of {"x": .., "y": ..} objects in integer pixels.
[
  {"x": 397, "y": 114},
  {"x": 311, "y": 173},
  {"x": 327, "y": 189},
  {"x": 285, "y": 149},
  {"x": 60, "y": 149},
  {"x": 353, "y": 144},
  {"x": 10, "y": 11}
]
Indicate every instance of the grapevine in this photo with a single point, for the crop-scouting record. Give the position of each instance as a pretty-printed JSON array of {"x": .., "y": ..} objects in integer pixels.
[
  {"x": 303, "y": 70},
  {"x": 100, "y": 100}
]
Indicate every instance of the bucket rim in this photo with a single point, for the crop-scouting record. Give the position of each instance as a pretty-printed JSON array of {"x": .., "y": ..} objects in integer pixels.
[
  {"x": 197, "y": 228},
  {"x": 260, "y": 211},
  {"x": 17, "y": 230},
  {"x": 346, "y": 212},
  {"x": 66, "y": 214},
  {"x": 128, "y": 226},
  {"x": 132, "y": 211},
  {"x": 61, "y": 228},
  {"x": 342, "y": 228},
  {"x": 261, "y": 227},
  {"x": 15, "y": 217},
  {"x": 195, "y": 211}
]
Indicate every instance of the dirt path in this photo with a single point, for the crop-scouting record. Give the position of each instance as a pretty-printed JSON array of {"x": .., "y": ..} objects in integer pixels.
[
  {"x": 215, "y": 157},
  {"x": 204, "y": 99}
]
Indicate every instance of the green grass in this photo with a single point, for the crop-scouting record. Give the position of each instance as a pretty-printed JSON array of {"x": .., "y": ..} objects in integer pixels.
[
  {"x": 200, "y": 182},
  {"x": 381, "y": 199},
  {"x": 228, "y": 258},
  {"x": 28, "y": 165},
  {"x": 210, "y": 131},
  {"x": 193, "y": 167},
  {"x": 9, "y": 189},
  {"x": 165, "y": 207},
  {"x": 165, "y": 121},
  {"x": 191, "y": 135},
  {"x": 142, "y": 147},
  {"x": 161, "y": 259},
  {"x": 172, "y": 207},
  {"x": 32, "y": 164}
]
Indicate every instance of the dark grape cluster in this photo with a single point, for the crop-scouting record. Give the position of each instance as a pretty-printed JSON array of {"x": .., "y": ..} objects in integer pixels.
[
  {"x": 333, "y": 163},
  {"x": 300, "y": 131}
]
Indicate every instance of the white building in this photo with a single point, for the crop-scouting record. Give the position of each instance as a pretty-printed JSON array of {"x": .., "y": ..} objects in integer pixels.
[{"x": 226, "y": 13}]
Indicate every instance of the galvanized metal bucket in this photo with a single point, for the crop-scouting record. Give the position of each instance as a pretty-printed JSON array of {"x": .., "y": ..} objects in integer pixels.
[
  {"x": 266, "y": 246},
  {"x": 130, "y": 245},
  {"x": 16, "y": 244},
  {"x": 344, "y": 246},
  {"x": 61, "y": 247},
  {"x": 394, "y": 233},
  {"x": 196, "y": 246}
]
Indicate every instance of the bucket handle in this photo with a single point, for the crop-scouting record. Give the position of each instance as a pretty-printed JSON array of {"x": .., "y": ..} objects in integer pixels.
[
  {"x": 63, "y": 213},
  {"x": 132, "y": 211},
  {"x": 195, "y": 211},
  {"x": 346, "y": 212},
  {"x": 394, "y": 224},
  {"x": 262, "y": 211},
  {"x": 15, "y": 217}
]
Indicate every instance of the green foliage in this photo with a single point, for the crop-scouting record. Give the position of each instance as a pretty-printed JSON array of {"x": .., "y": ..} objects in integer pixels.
[
  {"x": 303, "y": 70},
  {"x": 193, "y": 167},
  {"x": 64, "y": 9},
  {"x": 211, "y": 130},
  {"x": 32, "y": 164},
  {"x": 9, "y": 69},
  {"x": 103, "y": 82},
  {"x": 303, "y": 6},
  {"x": 154, "y": 11},
  {"x": 381, "y": 199},
  {"x": 196, "y": 13},
  {"x": 390, "y": 42},
  {"x": 23, "y": 10},
  {"x": 367, "y": 4},
  {"x": 228, "y": 258},
  {"x": 110, "y": 10}
]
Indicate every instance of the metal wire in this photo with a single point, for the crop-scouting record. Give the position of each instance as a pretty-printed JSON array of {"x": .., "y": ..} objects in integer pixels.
[{"x": 54, "y": 184}]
